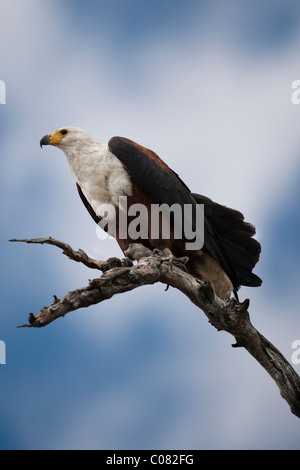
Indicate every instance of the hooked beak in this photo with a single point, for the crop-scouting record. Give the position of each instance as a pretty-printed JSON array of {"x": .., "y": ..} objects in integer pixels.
[{"x": 45, "y": 140}]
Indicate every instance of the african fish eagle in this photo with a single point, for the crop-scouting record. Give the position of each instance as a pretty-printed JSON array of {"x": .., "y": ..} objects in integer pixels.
[{"x": 105, "y": 172}]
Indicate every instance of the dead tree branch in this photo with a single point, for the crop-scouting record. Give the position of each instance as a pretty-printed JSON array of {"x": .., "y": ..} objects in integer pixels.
[{"x": 123, "y": 275}]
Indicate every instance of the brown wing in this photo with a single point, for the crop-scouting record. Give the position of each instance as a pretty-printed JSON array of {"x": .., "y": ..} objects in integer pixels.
[
  {"x": 151, "y": 172},
  {"x": 164, "y": 186}
]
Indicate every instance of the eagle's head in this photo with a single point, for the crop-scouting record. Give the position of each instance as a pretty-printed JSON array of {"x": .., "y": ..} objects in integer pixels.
[{"x": 66, "y": 137}]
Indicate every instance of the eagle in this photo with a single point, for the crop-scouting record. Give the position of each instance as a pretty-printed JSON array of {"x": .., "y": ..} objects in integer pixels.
[{"x": 121, "y": 170}]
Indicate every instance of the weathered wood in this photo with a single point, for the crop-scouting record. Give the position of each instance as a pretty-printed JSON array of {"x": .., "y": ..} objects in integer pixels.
[{"x": 123, "y": 275}]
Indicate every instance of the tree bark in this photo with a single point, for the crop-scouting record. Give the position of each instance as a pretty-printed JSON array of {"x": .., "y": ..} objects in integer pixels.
[{"x": 151, "y": 267}]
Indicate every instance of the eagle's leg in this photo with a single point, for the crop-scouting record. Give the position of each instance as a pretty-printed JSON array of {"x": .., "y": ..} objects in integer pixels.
[
  {"x": 168, "y": 256},
  {"x": 180, "y": 262}
]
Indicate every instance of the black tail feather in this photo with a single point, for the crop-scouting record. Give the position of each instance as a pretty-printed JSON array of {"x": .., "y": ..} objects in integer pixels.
[{"x": 235, "y": 236}]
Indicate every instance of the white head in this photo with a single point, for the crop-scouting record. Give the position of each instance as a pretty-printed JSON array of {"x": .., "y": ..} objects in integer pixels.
[{"x": 67, "y": 138}]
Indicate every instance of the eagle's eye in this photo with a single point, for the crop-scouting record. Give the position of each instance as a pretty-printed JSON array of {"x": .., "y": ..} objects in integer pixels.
[{"x": 64, "y": 131}]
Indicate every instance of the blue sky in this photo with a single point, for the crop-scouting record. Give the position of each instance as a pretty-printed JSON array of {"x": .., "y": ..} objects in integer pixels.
[{"x": 207, "y": 85}]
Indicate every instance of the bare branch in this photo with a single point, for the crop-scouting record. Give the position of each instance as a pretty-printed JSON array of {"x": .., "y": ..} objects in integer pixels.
[
  {"x": 122, "y": 276},
  {"x": 80, "y": 256}
]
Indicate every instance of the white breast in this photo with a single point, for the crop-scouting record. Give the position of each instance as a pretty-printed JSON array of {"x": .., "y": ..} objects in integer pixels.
[{"x": 100, "y": 175}]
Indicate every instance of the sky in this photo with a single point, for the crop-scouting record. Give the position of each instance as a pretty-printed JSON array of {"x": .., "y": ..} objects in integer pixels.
[{"x": 207, "y": 86}]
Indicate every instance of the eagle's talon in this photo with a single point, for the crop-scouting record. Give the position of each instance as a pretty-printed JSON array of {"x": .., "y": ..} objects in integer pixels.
[
  {"x": 126, "y": 262},
  {"x": 181, "y": 262}
]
